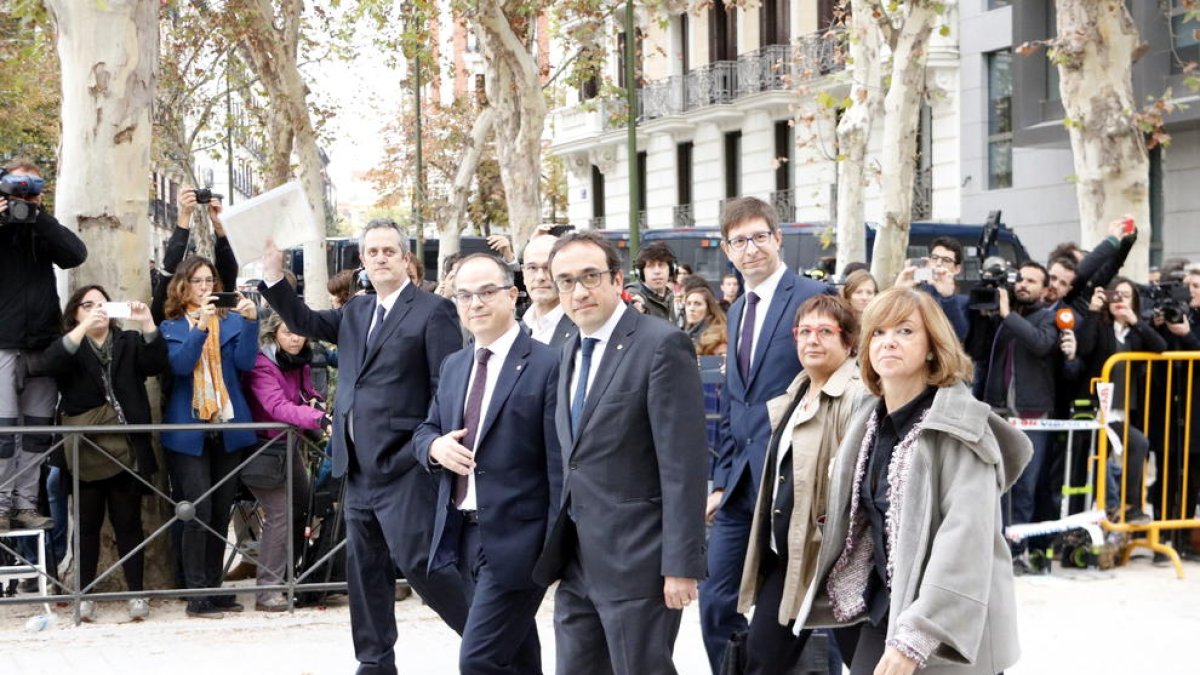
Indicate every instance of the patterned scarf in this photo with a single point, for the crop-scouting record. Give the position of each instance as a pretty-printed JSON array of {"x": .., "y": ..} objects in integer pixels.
[{"x": 210, "y": 398}]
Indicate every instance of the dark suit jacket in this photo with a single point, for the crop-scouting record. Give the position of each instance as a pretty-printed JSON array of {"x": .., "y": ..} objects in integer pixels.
[
  {"x": 563, "y": 331},
  {"x": 518, "y": 472},
  {"x": 387, "y": 389},
  {"x": 745, "y": 427},
  {"x": 634, "y": 476}
]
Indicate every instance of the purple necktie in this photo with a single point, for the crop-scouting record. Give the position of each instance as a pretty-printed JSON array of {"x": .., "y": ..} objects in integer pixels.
[
  {"x": 746, "y": 341},
  {"x": 471, "y": 417}
]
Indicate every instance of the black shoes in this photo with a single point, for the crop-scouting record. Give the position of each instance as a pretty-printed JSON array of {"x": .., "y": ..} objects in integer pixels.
[
  {"x": 226, "y": 603},
  {"x": 203, "y": 609}
]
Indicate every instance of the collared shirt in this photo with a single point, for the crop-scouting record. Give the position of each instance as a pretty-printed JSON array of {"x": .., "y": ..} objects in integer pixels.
[
  {"x": 785, "y": 450},
  {"x": 386, "y": 302},
  {"x": 765, "y": 292},
  {"x": 499, "y": 349},
  {"x": 541, "y": 328},
  {"x": 604, "y": 335}
]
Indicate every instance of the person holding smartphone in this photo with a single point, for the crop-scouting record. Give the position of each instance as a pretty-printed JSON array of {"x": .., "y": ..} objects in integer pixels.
[
  {"x": 177, "y": 248},
  {"x": 209, "y": 347}
]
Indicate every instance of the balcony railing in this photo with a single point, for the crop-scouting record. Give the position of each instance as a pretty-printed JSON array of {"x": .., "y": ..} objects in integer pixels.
[
  {"x": 771, "y": 68},
  {"x": 784, "y": 202},
  {"x": 596, "y": 223},
  {"x": 922, "y": 203},
  {"x": 684, "y": 215},
  {"x": 163, "y": 214}
]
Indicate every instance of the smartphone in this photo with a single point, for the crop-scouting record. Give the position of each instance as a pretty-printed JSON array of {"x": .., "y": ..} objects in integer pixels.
[
  {"x": 118, "y": 310},
  {"x": 225, "y": 300},
  {"x": 924, "y": 272}
]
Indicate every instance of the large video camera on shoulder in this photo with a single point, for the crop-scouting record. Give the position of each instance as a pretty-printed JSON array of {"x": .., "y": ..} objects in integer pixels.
[
  {"x": 18, "y": 191},
  {"x": 1169, "y": 299},
  {"x": 995, "y": 272}
]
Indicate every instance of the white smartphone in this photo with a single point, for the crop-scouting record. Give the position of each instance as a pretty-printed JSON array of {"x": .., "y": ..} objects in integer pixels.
[{"x": 118, "y": 310}]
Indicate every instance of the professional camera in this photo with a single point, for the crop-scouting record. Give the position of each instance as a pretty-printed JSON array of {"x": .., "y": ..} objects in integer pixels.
[
  {"x": 1170, "y": 300},
  {"x": 18, "y": 190},
  {"x": 206, "y": 195},
  {"x": 995, "y": 273},
  {"x": 362, "y": 281}
]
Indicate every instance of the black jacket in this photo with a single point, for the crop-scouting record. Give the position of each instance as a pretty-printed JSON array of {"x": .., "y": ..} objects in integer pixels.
[
  {"x": 81, "y": 384},
  {"x": 30, "y": 317},
  {"x": 1034, "y": 362},
  {"x": 226, "y": 263}
]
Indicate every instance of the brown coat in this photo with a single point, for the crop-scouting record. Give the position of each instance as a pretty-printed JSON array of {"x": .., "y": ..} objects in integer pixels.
[{"x": 815, "y": 439}]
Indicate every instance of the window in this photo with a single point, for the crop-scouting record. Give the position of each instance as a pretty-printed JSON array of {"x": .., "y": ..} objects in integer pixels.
[
  {"x": 1185, "y": 36},
  {"x": 683, "y": 173},
  {"x": 684, "y": 39},
  {"x": 641, "y": 174},
  {"x": 733, "y": 164},
  {"x": 637, "y": 62},
  {"x": 773, "y": 22},
  {"x": 784, "y": 140},
  {"x": 597, "y": 192},
  {"x": 997, "y": 4},
  {"x": 722, "y": 33},
  {"x": 999, "y": 140},
  {"x": 1052, "y": 91}
]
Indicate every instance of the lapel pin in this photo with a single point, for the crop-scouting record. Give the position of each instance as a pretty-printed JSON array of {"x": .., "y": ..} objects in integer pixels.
[
  {"x": 518, "y": 367},
  {"x": 620, "y": 347}
]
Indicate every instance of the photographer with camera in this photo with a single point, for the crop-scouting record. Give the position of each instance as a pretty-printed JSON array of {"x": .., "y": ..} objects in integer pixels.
[
  {"x": 32, "y": 242},
  {"x": 937, "y": 275},
  {"x": 179, "y": 244},
  {"x": 1019, "y": 378}
]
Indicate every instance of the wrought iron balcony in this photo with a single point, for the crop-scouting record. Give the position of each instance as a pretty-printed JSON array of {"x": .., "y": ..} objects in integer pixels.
[
  {"x": 922, "y": 202},
  {"x": 712, "y": 84},
  {"x": 596, "y": 223},
  {"x": 684, "y": 215},
  {"x": 784, "y": 202}
]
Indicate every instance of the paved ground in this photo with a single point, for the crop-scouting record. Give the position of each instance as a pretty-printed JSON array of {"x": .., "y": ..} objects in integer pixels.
[{"x": 1133, "y": 620}]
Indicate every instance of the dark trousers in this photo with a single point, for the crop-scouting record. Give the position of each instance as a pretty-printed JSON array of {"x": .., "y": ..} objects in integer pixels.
[
  {"x": 501, "y": 636},
  {"x": 611, "y": 637},
  {"x": 121, "y": 497},
  {"x": 389, "y": 526},
  {"x": 202, "y": 549},
  {"x": 871, "y": 643},
  {"x": 727, "y": 541}
]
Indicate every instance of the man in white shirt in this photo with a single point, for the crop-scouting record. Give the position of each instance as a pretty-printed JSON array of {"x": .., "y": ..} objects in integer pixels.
[{"x": 545, "y": 319}]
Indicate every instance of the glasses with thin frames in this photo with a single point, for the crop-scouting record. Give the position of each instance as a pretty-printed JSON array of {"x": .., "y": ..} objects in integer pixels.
[
  {"x": 588, "y": 279},
  {"x": 760, "y": 239},
  {"x": 200, "y": 280},
  {"x": 823, "y": 332},
  {"x": 485, "y": 294}
]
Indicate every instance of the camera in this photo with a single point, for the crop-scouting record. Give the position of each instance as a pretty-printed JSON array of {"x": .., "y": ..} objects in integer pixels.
[
  {"x": 363, "y": 282},
  {"x": 18, "y": 190},
  {"x": 1169, "y": 299},
  {"x": 994, "y": 274},
  {"x": 206, "y": 195}
]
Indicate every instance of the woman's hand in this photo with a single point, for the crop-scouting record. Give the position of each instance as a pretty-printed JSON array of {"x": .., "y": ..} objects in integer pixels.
[
  {"x": 1122, "y": 312},
  {"x": 140, "y": 313},
  {"x": 1099, "y": 297},
  {"x": 1181, "y": 329},
  {"x": 207, "y": 311},
  {"x": 93, "y": 320},
  {"x": 894, "y": 662},
  {"x": 246, "y": 308}
]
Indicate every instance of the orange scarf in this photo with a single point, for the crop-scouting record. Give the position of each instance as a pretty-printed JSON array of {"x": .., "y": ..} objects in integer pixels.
[{"x": 210, "y": 398}]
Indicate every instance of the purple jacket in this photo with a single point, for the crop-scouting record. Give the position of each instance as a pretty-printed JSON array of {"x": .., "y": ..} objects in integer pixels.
[{"x": 275, "y": 395}]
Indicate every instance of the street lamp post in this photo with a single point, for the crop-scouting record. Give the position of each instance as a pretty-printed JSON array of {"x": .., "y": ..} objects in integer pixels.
[{"x": 631, "y": 129}]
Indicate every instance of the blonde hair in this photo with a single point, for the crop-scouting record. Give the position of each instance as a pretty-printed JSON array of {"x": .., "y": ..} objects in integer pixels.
[{"x": 949, "y": 364}]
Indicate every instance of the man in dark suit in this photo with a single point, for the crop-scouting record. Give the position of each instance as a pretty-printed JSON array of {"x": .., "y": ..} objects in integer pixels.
[
  {"x": 490, "y": 441},
  {"x": 762, "y": 363},
  {"x": 390, "y": 349},
  {"x": 545, "y": 319},
  {"x": 628, "y": 543}
]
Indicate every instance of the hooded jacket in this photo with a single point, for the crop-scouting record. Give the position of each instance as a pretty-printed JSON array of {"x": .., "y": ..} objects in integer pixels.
[
  {"x": 952, "y": 590},
  {"x": 276, "y": 395}
]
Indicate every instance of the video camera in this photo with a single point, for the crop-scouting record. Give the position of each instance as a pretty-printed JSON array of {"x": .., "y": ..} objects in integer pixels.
[
  {"x": 18, "y": 190},
  {"x": 362, "y": 281},
  {"x": 994, "y": 271},
  {"x": 1169, "y": 299}
]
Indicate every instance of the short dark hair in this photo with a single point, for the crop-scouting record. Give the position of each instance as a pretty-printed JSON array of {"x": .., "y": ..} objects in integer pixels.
[
  {"x": 611, "y": 258},
  {"x": 836, "y": 307},
  {"x": 950, "y": 244},
  {"x": 69, "y": 321},
  {"x": 656, "y": 252},
  {"x": 1067, "y": 249},
  {"x": 418, "y": 267},
  {"x": 685, "y": 268},
  {"x": 450, "y": 261},
  {"x": 341, "y": 286},
  {"x": 853, "y": 267},
  {"x": 506, "y": 272},
  {"x": 694, "y": 281},
  {"x": 1066, "y": 262},
  {"x": 740, "y": 209},
  {"x": 1038, "y": 266},
  {"x": 22, "y": 164}
]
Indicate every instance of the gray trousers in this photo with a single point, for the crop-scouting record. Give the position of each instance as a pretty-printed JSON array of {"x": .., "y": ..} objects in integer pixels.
[
  {"x": 23, "y": 401},
  {"x": 272, "y": 547}
]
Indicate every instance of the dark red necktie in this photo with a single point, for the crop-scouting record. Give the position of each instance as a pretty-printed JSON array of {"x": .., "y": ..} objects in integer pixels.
[
  {"x": 746, "y": 341},
  {"x": 471, "y": 417}
]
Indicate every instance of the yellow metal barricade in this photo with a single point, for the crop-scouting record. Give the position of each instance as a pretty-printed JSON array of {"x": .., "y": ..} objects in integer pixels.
[{"x": 1172, "y": 405}]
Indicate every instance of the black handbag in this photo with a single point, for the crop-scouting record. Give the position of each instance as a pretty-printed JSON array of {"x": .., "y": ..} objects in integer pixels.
[
  {"x": 734, "y": 660},
  {"x": 267, "y": 469}
]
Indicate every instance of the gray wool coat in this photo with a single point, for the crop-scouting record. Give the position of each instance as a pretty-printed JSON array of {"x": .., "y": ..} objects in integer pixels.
[{"x": 952, "y": 586}]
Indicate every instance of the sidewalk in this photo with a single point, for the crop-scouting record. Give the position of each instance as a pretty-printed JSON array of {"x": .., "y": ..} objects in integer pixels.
[{"x": 1137, "y": 619}]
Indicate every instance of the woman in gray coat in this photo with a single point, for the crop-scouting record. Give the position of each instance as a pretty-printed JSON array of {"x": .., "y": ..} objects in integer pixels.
[{"x": 912, "y": 546}]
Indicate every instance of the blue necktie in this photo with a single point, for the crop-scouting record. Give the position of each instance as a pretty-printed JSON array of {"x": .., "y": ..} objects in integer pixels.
[
  {"x": 375, "y": 331},
  {"x": 585, "y": 367},
  {"x": 746, "y": 341}
]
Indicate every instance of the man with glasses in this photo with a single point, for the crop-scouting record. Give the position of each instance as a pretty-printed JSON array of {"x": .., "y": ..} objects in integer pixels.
[
  {"x": 628, "y": 542},
  {"x": 390, "y": 348},
  {"x": 762, "y": 363},
  {"x": 545, "y": 319},
  {"x": 945, "y": 265},
  {"x": 490, "y": 442}
]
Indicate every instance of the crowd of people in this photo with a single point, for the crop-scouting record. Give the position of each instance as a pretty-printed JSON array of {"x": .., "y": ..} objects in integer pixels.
[{"x": 854, "y": 482}]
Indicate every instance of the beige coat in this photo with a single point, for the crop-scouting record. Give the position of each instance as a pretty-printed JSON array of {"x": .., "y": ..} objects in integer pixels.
[
  {"x": 952, "y": 589},
  {"x": 815, "y": 439}
]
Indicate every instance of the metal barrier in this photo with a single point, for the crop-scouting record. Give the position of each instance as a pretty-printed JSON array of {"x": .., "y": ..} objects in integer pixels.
[
  {"x": 72, "y": 437},
  {"x": 1174, "y": 488}
]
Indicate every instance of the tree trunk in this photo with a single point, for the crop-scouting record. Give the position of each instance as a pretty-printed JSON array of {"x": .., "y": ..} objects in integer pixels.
[
  {"x": 902, "y": 107},
  {"x": 1095, "y": 53},
  {"x": 854, "y": 134},
  {"x": 450, "y": 231},
  {"x": 109, "y": 54},
  {"x": 514, "y": 92},
  {"x": 273, "y": 54}
]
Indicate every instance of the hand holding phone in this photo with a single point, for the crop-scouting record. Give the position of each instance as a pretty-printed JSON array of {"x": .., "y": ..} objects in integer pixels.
[
  {"x": 118, "y": 310},
  {"x": 224, "y": 300}
]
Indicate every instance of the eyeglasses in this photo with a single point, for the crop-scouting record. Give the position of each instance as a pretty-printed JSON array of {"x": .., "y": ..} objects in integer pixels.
[
  {"x": 760, "y": 239},
  {"x": 588, "y": 279},
  {"x": 485, "y": 294},
  {"x": 823, "y": 332},
  {"x": 89, "y": 305},
  {"x": 200, "y": 280},
  {"x": 533, "y": 268},
  {"x": 946, "y": 260}
]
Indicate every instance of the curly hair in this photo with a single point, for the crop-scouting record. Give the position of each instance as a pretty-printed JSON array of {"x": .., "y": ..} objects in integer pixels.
[{"x": 178, "y": 290}]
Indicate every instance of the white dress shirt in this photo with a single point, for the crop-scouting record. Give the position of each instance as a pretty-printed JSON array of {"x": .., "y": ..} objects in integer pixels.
[
  {"x": 604, "y": 335},
  {"x": 765, "y": 292},
  {"x": 499, "y": 349},
  {"x": 386, "y": 302},
  {"x": 541, "y": 328}
]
